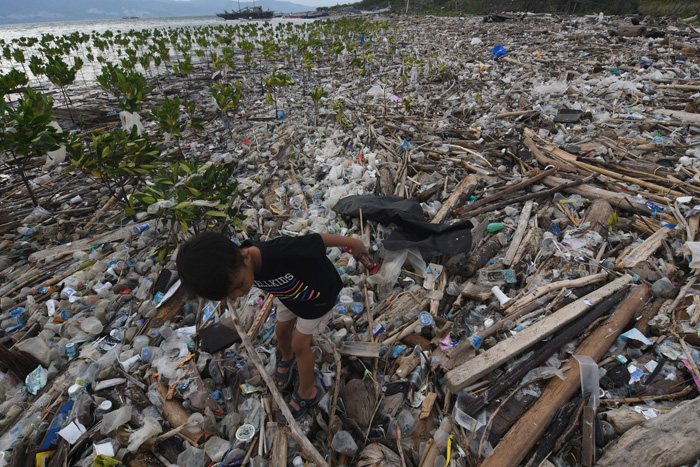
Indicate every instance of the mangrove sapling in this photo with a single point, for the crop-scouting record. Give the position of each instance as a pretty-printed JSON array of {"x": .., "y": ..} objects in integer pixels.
[
  {"x": 27, "y": 132},
  {"x": 316, "y": 96},
  {"x": 227, "y": 97},
  {"x": 247, "y": 48},
  {"x": 171, "y": 119},
  {"x": 18, "y": 55},
  {"x": 120, "y": 160},
  {"x": 11, "y": 81},
  {"x": 308, "y": 65},
  {"x": 190, "y": 196},
  {"x": 59, "y": 74},
  {"x": 274, "y": 84},
  {"x": 129, "y": 89}
]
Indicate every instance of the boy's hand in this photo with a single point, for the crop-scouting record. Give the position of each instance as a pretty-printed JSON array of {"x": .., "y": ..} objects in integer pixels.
[
  {"x": 357, "y": 247},
  {"x": 354, "y": 244}
]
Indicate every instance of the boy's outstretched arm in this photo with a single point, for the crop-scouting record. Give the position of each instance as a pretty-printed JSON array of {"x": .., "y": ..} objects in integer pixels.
[{"x": 355, "y": 244}]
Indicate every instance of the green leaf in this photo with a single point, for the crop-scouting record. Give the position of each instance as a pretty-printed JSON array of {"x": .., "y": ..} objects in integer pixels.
[{"x": 215, "y": 214}]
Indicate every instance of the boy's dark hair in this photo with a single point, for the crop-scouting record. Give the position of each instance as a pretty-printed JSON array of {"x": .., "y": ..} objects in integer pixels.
[{"x": 205, "y": 262}]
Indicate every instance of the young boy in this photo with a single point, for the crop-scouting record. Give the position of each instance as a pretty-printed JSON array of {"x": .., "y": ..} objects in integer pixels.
[{"x": 295, "y": 270}]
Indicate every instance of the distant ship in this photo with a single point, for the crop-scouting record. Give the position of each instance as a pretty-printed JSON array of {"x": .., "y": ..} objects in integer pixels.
[{"x": 255, "y": 12}]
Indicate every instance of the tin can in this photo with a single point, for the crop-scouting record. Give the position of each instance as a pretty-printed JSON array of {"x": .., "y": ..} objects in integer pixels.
[
  {"x": 71, "y": 350},
  {"x": 367, "y": 262}
]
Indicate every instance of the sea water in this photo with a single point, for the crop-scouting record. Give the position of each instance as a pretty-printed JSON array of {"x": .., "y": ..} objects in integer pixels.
[
  {"x": 8, "y": 32},
  {"x": 57, "y": 28}
]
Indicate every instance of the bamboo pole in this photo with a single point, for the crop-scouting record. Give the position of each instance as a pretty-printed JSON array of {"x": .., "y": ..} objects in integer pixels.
[{"x": 296, "y": 430}]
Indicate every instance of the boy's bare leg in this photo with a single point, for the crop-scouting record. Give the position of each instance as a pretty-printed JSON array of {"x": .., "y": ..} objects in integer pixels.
[
  {"x": 284, "y": 331},
  {"x": 301, "y": 344}
]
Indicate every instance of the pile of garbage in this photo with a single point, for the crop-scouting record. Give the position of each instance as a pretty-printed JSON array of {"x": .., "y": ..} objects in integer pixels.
[{"x": 536, "y": 229}]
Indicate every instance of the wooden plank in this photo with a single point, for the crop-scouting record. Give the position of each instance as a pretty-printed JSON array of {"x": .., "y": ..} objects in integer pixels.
[
  {"x": 511, "y": 378},
  {"x": 82, "y": 244},
  {"x": 362, "y": 349},
  {"x": 680, "y": 115},
  {"x": 507, "y": 190},
  {"x": 279, "y": 447},
  {"x": 169, "y": 310},
  {"x": 542, "y": 159},
  {"x": 427, "y": 405},
  {"x": 465, "y": 188},
  {"x": 619, "y": 200},
  {"x": 555, "y": 151},
  {"x": 260, "y": 318},
  {"x": 519, "y": 233},
  {"x": 588, "y": 438},
  {"x": 480, "y": 365},
  {"x": 522, "y": 437},
  {"x": 552, "y": 286},
  {"x": 633, "y": 257}
]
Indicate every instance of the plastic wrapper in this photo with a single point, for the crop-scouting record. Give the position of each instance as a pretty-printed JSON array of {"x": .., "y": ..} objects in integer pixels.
[
  {"x": 216, "y": 448},
  {"x": 150, "y": 428},
  {"x": 113, "y": 420},
  {"x": 131, "y": 119},
  {"x": 36, "y": 380}
]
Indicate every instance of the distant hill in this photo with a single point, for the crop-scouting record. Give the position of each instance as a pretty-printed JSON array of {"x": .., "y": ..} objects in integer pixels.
[{"x": 66, "y": 10}]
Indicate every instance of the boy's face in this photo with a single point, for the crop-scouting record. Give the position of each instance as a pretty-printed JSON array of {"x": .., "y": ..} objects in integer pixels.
[{"x": 241, "y": 280}]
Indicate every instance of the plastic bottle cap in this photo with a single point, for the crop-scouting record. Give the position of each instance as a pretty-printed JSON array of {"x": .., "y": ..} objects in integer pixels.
[
  {"x": 105, "y": 406},
  {"x": 425, "y": 318},
  {"x": 245, "y": 432},
  {"x": 75, "y": 389}
]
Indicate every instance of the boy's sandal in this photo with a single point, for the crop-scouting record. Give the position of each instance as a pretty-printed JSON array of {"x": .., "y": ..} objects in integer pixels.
[
  {"x": 282, "y": 380},
  {"x": 304, "y": 404}
]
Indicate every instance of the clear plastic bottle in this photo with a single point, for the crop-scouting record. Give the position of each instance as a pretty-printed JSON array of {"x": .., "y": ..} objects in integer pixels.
[{"x": 343, "y": 443}]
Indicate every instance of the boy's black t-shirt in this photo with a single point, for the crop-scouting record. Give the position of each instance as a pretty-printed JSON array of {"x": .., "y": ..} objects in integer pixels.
[{"x": 297, "y": 271}]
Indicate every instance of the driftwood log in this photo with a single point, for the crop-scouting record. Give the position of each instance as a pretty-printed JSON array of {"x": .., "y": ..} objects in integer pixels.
[
  {"x": 597, "y": 216},
  {"x": 669, "y": 439}
]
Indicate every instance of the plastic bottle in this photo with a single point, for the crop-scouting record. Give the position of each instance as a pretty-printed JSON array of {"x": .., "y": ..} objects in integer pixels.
[
  {"x": 91, "y": 325},
  {"x": 149, "y": 353},
  {"x": 82, "y": 409},
  {"x": 144, "y": 289},
  {"x": 25, "y": 231},
  {"x": 139, "y": 343},
  {"x": 343, "y": 443}
]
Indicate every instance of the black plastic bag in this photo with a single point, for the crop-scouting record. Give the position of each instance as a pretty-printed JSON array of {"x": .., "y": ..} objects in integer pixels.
[{"x": 415, "y": 230}]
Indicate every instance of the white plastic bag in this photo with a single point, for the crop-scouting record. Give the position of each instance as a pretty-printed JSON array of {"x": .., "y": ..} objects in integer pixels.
[{"x": 130, "y": 119}]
